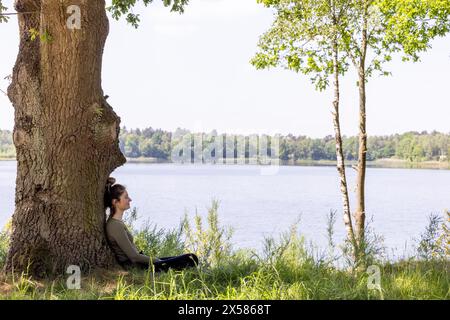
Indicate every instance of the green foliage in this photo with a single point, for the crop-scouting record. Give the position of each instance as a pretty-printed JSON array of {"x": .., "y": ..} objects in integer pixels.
[
  {"x": 287, "y": 251},
  {"x": 3, "y": 9},
  {"x": 371, "y": 250},
  {"x": 7, "y": 149},
  {"x": 33, "y": 34},
  {"x": 435, "y": 240},
  {"x": 121, "y": 8},
  {"x": 44, "y": 37},
  {"x": 408, "y": 148},
  {"x": 390, "y": 26},
  {"x": 4, "y": 243},
  {"x": 302, "y": 38},
  {"x": 410, "y": 25},
  {"x": 212, "y": 245},
  {"x": 147, "y": 143},
  {"x": 118, "y": 8},
  {"x": 154, "y": 241},
  {"x": 304, "y": 32}
]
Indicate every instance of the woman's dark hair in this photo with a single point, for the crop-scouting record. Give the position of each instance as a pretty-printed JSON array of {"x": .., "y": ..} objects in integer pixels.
[{"x": 112, "y": 191}]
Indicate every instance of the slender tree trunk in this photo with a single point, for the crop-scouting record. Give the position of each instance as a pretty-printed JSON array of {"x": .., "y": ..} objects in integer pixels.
[
  {"x": 339, "y": 152},
  {"x": 360, "y": 214},
  {"x": 66, "y": 137}
]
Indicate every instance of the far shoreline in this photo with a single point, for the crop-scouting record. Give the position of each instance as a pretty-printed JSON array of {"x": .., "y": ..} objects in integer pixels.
[{"x": 380, "y": 163}]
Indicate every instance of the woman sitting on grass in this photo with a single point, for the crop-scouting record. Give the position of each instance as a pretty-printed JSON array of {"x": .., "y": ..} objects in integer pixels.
[{"x": 121, "y": 240}]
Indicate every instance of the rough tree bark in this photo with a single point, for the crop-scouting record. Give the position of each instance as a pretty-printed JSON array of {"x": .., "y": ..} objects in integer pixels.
[{"x": 66, "y": 137}]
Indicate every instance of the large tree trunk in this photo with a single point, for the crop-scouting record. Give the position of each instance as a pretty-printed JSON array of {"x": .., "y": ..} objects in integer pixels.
[
  {"x": 66, "y": 137},
  {"x": 339, "y": 152}
]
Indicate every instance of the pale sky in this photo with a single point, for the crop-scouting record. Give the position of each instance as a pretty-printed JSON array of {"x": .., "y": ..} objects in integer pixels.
[{"x": 193, "y": 71}]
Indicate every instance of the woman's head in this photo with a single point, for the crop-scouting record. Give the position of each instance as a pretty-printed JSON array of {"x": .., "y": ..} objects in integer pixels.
[{"x": 116, "y": 196}]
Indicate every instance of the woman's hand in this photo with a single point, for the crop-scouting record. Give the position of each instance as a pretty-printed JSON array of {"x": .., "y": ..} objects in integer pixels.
[{"x": 153, "y": 259}]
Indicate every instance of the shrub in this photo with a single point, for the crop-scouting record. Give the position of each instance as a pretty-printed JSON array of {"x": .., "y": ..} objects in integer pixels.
[
  {"x": 4, "y": 243},
  {"x": 434, "y": 241},
  {"x": 213, "y": 245}
]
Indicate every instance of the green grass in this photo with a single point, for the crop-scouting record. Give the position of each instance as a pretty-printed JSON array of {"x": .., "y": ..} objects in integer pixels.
[{"x": 285, "y": 269}]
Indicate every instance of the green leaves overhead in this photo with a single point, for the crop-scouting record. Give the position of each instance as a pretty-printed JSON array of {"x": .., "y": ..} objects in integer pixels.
[
  {"x": 302, "y": 38},
  {"x": 303, "y": 33},
  {"x": 121, "y": 8},
  {"x": 410, "y": 25}
]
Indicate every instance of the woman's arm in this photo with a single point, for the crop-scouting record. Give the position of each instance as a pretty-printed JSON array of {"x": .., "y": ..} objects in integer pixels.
[{"x": 120, "y": 235}]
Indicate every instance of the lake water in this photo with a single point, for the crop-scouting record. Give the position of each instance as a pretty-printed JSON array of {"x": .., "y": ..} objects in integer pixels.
[{"x": 256, "y": 206}]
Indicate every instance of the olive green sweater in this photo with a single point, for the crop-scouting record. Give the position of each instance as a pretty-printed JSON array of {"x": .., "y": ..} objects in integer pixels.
[{"x": 121, "y": 242}]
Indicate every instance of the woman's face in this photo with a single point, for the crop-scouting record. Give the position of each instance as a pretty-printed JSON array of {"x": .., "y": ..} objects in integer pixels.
[{"x": 124, "y": 202}]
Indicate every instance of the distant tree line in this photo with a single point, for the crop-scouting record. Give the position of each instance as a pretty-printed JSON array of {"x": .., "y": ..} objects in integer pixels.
[
  {"x": 412, "y": 146},
  {"x": 157, "y": 143},
  {"x": 7, "y": 149}
]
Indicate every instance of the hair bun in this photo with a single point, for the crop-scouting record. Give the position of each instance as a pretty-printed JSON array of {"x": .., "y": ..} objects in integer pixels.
[{"x": 110, "y": 181}]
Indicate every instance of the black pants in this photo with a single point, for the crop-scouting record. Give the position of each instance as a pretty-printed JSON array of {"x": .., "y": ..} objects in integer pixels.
[{"x": 177, "y": 263}]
